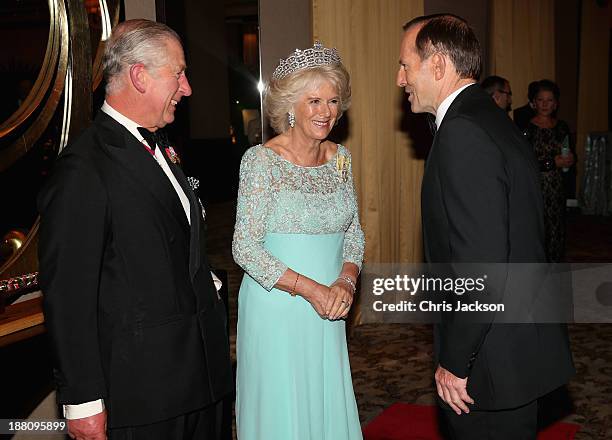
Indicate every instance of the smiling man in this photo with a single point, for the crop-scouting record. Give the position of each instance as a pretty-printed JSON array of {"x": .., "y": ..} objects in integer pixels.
[
  {"x": 481, "y": 204},
  {"x": 134, "y": 319}
]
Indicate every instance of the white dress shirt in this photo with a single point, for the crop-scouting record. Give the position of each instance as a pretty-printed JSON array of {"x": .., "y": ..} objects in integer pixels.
[
  {"x": 88, "y": 409},
  {"x": 444, "y": 105},
  {"x": 132, "y": 127}
]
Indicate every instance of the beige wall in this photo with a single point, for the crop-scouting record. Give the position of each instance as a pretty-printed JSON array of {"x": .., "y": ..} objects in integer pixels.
[
  {"x": 209, "y": 106},
  {"x": 476, "y": 12},
  {"x": 284, "y": 26},
  {"x": 522, "y": 43},
  {"x": 593, "y": 76},
  {"x": 140, "y": 9},
  {"x": 386, "y": 162},
  {"x": 205, "y": 39},
  {"x": 567, "y": 19}
]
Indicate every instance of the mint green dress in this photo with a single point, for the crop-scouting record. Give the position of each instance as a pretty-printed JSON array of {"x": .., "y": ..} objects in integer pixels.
[{"x": 293, "y": 379}]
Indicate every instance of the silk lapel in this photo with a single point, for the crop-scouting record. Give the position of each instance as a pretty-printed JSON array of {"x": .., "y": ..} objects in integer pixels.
[
  {"x": 453, "y": 110},
  {"x": 194, "y": 215},
  {"x": 126, "y": 150},
  {"x": 450, "y": 113},
  {"x": 431, "y": 153}
]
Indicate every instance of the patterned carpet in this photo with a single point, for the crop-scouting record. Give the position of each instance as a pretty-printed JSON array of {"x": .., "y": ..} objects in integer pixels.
[{"x": 393, "y": 363}]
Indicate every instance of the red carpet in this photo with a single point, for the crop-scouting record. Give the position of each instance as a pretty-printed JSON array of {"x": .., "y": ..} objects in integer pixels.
[{"x": 402, "y": 421}]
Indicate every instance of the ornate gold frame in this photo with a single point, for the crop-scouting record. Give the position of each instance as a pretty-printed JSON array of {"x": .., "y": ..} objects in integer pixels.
[
  {"x": 66, "y": 70},
  {"x": 53, "y": 71}
]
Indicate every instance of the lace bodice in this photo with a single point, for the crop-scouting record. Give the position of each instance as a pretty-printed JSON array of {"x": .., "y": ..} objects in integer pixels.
[{"x": 276, "y": 195}]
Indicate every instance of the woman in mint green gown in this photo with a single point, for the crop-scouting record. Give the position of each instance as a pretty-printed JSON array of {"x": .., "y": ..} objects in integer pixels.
[{"x": 299, "y": 240}]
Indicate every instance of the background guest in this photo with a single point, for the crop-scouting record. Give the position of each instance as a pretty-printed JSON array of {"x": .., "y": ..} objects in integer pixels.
[
  {"x": 500, "y": 91},
  {"x": 550, "y": 139}
]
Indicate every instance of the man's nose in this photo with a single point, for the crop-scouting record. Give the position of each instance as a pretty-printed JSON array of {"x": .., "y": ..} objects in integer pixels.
[
  {"x": 184, "y": 85},
  {"x": 401, "y": 78}
]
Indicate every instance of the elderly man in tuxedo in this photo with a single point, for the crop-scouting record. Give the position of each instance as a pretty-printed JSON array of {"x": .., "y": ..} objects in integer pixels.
[
  {"x": 133, "y": 315},
  {"x": 499, "y": 89},
  {"x": 481, "y": 204}
]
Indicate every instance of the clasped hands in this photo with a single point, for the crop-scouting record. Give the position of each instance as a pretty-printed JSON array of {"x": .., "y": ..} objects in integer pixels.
[
  {"x": 453, "y": 390},
  {"x": 333, "y": 302}
]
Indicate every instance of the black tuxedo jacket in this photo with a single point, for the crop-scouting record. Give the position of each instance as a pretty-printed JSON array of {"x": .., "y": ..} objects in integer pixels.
[
  {"x": 522, "y": 116},
  {"x": 130, "y": 305},
  {"x": 482, "y": 203}
]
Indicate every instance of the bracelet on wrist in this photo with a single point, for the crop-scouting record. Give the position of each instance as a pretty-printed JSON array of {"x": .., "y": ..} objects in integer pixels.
[
  {"x": 292, "y": 292},
  {"x": 349, "y": 281}
]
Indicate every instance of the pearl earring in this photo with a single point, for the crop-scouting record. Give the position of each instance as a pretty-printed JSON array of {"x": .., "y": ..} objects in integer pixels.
[{"x": 291, "y": 119}]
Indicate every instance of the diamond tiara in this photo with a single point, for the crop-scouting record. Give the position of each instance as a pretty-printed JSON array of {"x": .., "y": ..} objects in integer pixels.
[{"x": 317, "y": 55}]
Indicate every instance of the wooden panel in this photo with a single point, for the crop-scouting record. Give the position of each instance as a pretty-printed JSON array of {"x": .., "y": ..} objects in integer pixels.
[
  {"x": 385, "y": 139},
  {"x": 593, "y": 76},
  {"x": 21, "y": 320},
  {"x": 567, "y": 22},
  {"x": 388, "y": 165},
  {"x": 522, "y": 44}
]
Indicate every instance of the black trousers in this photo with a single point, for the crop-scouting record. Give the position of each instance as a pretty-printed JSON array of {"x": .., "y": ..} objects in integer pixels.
[
  {"x": 512, "y": 424},
  {"x": 203, "y": 424}
]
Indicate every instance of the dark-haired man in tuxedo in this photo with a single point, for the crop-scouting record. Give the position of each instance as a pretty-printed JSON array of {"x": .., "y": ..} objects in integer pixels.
[
  {"x": 134, "y": 318},
  {"x": 481, "y": 204}
]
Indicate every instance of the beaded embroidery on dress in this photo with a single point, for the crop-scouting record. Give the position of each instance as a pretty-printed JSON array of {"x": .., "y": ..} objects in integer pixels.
[{"x": 279, "y": 196}]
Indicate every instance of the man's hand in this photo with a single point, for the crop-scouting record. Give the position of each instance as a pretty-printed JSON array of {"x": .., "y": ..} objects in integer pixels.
[
  {"x": 453, "y": 390},
  {"x": 88, "y": 428}
]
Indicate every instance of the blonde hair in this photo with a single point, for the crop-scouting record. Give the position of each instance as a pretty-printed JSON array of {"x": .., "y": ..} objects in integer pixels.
[{"x": 282, "y": 94}]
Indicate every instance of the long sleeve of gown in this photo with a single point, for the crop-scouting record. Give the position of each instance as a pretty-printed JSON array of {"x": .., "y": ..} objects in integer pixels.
[
  {"x": 255, "y": 198},
  {"x": 354, "y": 241}
]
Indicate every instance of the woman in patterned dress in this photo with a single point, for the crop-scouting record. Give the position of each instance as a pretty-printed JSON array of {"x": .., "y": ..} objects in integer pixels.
[
  {"x": 548, "y": 135},
  {"x": 299, "y": 240}
]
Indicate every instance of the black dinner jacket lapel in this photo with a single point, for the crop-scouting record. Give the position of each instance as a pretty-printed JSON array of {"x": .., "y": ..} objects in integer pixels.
[
  {"x": 452, "y": 111},
  {"x": 126, "y": 150},
  {"x": 428, "y": 192},
  {"x": 195, "y": 216},
  {"x": 455, "y": 107}
]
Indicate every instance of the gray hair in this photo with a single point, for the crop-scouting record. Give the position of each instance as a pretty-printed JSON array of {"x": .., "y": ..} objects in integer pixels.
[
  {"x": 282, "y": 94},
  {"x": 493, "y": 83},
  {"x": 133, "y": 42}
]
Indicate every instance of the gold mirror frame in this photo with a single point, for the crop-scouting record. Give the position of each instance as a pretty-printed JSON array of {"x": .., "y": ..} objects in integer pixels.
[
  {"x": 109, "y": 11},
  {"x": 66, "y": 67},
  {"x": 51, "y": 77}
]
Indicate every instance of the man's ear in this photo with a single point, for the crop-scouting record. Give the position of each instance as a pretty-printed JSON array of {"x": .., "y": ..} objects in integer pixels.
[
  {"x": 138, "y": 77},
  {"x": 438, "y": 62},
  {"x": 496, "y": 96}
]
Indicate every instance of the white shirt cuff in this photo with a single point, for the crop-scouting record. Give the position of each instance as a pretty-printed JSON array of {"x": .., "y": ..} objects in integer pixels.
[{"x": 83, "y": 410}]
